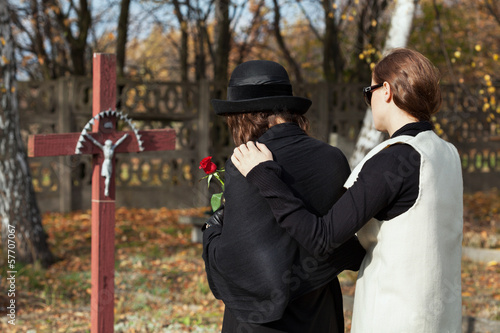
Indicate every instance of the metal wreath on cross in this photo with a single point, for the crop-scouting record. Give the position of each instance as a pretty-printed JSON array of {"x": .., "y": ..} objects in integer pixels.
[{"x": 108, "y": 148}]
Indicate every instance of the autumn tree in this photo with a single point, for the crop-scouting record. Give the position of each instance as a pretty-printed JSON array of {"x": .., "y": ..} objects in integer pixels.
[
  {"x": 493, "y": 8},
  {"x": 250, "y": 37},
  {"x": 368, "y": 40},
  {"x": 350, "y": 28},
  {"x": 397, "y": 36},
  {"x": 52, "y": 37},
  {"x": 467, "y": 34},
  {"x": 19, "y": 213}
]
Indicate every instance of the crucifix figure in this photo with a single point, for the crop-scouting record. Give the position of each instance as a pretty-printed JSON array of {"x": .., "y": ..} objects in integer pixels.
[
  {"x": 102, "y": 128},
  {"x": 107, "y": 166}
]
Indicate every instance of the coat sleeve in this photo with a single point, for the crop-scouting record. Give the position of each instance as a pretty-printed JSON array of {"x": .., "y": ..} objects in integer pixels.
[
  {"x": 211, "y": 237},
  {"x": 321, "y": 235}
]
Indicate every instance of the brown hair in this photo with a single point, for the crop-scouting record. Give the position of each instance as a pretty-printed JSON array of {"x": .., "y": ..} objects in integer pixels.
[
  {"x": 250, "y": 126},
  {"x": 414, "y": 82}
]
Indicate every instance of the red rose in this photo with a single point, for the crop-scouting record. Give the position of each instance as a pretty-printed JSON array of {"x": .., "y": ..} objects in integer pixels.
[{"x": 207, "y": 165}]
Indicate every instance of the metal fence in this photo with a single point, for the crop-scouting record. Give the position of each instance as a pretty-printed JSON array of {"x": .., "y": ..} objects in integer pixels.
[{"x": 468, "y": 119}]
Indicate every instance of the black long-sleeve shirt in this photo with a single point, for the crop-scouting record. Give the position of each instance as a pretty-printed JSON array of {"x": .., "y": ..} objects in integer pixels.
[{"x": 387, "y": 186}]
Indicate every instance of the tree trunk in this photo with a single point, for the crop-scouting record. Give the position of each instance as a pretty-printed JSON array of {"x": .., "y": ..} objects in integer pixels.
[
  {"x": 398, "y": 35},
  {"x": 121, "y": 41},
  {"x": 201, "y": 60},
  {"x": 78, "y": 43},
  {"x": 183, "y": 52},
  {"x": 333, "y": 61},
  {"x": 366, "y": 35},
  {"x": 222, "y": 41},
  {"x": 19, "y": 211}
]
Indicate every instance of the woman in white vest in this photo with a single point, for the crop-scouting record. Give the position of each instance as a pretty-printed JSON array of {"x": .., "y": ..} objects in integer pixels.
[{"x": 404, "y": 201}]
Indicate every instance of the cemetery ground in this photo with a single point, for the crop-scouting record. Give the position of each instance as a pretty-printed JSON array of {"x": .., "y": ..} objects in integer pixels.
[{"x": 160, "y": 282}]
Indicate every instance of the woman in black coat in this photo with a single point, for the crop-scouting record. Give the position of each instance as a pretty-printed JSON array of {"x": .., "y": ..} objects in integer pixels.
[{"x": 266, "y": 280}]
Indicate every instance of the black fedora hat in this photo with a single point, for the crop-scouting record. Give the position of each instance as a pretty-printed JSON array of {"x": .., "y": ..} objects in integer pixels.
[{"x": 259, "y": 86}]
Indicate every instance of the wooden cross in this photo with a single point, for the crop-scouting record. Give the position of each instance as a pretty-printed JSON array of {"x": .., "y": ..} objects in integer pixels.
[{"x": 103, "y": 206}]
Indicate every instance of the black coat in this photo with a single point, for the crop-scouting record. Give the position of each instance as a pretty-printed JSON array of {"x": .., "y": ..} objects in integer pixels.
[{"x": 256, "y": 268}]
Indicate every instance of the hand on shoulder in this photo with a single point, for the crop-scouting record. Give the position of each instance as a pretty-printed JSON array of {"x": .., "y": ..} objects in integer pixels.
[{"x": 249, "y": 155}]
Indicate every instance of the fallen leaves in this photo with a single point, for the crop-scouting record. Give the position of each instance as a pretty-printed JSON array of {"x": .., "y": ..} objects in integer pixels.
[
  {"x": 160, "y": 280},
  {"x": 159, "y": 276},
  {"x": 481, "y": 289},
  {"x": 482, "y": 219}
]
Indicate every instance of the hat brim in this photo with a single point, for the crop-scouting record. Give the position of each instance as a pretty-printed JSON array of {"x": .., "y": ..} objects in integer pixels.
[{"x": 293, "y": 104}]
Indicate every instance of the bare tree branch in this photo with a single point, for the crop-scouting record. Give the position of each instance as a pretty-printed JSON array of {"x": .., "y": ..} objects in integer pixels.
[
  {"x": 495, "y": 12},
  {"x": 313, "y": 28},
  {"x": 281, "y": 43},
  {"x": 251, "y": 32}
]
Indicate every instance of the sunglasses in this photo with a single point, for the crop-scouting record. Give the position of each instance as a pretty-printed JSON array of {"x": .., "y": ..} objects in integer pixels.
[{"x": 368, "y": 91}]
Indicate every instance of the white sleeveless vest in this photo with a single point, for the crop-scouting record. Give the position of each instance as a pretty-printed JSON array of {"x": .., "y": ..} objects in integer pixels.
[{"x": 410, "y": 279}]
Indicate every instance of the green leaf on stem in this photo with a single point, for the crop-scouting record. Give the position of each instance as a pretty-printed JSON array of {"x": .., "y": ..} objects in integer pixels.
[{"x": 215, "y": 201}]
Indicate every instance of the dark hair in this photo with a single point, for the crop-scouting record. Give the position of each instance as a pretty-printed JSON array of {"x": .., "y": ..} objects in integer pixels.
[
  {"x": 250, "y": 126},
  {"x": 414, "y": 82}
]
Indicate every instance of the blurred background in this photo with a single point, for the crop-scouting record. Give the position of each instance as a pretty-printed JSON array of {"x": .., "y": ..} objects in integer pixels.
[{"x": 172, "y": 58}]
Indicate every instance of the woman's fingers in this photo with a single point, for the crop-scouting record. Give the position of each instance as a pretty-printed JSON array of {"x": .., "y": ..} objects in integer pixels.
[
  {"x": 235, "y": 160},
  {"x": 238, "y": 152},
  {"x": 246, "y": 156},
  {"x": 263, "y": 148},
  {"x": 252, "y": 148}
]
